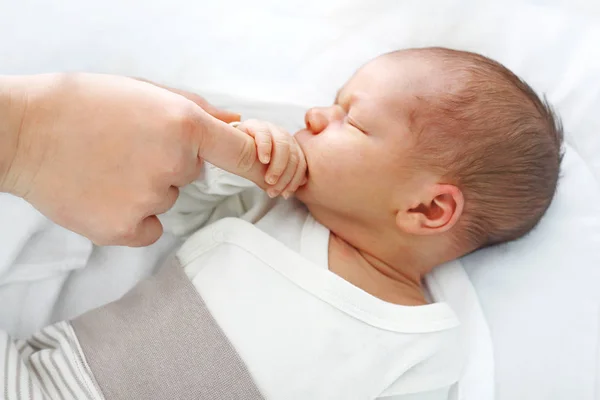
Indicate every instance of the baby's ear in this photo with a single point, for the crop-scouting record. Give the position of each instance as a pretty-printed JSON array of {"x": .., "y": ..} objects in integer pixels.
[{"x": 438, "y": 211}]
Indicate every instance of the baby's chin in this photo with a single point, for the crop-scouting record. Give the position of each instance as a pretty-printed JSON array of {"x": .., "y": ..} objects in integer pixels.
[
  {"x": 309, "y": 195},
  {"x": 305, "y": 193}
]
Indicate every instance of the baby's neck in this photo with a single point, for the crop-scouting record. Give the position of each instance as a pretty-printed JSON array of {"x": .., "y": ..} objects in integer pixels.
[
  {"x": 373, "y": 275},
  {"x": 375, "y": 257}
]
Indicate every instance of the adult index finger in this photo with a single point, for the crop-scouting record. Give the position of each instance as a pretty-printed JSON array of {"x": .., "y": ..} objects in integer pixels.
[{"x": 228, "y": 148}]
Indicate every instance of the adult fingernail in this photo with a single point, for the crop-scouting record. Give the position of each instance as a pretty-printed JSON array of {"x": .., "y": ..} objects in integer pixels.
[{"x": 265, "y": 158}]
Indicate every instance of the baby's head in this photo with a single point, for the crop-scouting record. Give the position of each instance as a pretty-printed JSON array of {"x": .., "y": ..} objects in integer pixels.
[{"x": 433, "y": 143}]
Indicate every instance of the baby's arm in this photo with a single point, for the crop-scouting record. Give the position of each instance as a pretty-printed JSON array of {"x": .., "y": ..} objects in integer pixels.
[{"x": 280, "y": 169}]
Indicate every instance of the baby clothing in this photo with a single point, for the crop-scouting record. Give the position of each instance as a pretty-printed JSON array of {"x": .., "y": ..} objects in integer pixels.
[{"x": 248, "y": 309}]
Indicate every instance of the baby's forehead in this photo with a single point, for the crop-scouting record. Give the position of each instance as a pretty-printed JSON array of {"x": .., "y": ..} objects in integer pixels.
[
  {"x": 400, "y": 90},
  {"x": 384, "y": 94},
  {"x": 398, "y": 75}
]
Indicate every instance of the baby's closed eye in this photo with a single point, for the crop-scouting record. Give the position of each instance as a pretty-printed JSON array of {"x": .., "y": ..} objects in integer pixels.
[{"x": 352, "y": 122}]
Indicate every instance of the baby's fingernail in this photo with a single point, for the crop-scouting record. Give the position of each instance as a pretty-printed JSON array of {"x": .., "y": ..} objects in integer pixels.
[
  {"x": 272, "y": 179},
  {"x": 286, "y": 195},
  {"x": 304, "y": 180},
  {"x": 272, "y": 193}
]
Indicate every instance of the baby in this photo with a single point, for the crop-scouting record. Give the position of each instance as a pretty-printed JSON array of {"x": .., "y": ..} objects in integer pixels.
[{"x": 425, "y": 155}]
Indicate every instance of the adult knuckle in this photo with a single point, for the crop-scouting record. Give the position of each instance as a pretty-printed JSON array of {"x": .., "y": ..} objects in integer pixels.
[
  {"x": 154, "y": 201},
  {"x": 188, "y": 125},
  {"x": 205, "y": 141},
  {"x": 125, "y": 232},
  {"x": 184, "y": 121},
  {"x": 175, "y": 166}
]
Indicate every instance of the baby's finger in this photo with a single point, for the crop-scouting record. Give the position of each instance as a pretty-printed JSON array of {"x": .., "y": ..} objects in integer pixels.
[
  {"x": 286, "y": 177},
  {"x": 299, "y": 177},
  {"x": 282, "y": 144},
  {"x": 262, "y": 138},
  {"x": 264, "y": 145}
]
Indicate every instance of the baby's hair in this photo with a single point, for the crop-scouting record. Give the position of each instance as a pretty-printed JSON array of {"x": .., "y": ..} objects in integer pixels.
[{"x": 495, "y": 139}]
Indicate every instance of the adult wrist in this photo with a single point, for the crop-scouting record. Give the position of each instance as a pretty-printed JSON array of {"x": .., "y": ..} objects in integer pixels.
[{"x": 13, "y": 100}]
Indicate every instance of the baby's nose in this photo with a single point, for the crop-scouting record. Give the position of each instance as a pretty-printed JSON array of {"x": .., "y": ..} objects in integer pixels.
[
  {"x": 315, "y": 120},
  {"x": 318, "y": 118}
]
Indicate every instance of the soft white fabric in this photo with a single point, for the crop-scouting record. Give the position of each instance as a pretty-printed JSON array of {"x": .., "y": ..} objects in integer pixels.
[
  {"x": 42, "y": 274},
  {"x": 541, "y": 296},
  {"x": 451, "y": 283},
  {"x": 298, "y": 52},
  {"x": 36, "y": 258},
  {"x": 302, "y": 331},
  {"x": 46, "y": 243}
]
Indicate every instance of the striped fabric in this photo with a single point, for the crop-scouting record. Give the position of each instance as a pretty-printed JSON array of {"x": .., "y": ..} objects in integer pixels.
[{"x": 47, "y": 366}]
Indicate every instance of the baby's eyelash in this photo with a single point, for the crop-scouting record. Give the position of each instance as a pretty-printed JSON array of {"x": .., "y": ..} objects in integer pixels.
[{"x": 353, "y": 124}]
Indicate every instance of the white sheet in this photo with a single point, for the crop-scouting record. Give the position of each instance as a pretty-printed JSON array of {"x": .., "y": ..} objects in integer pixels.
[{"x": 541, "y": 297}]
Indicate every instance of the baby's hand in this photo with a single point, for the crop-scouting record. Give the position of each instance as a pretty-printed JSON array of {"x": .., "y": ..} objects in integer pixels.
[{"x": 279, "y": 150}]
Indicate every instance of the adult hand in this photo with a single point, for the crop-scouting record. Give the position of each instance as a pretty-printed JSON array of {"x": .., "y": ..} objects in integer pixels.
[{"x": 103, "y": 155}]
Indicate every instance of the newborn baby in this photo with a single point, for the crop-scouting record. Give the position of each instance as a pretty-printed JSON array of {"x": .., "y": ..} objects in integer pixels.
[{"x": 425, "y": 155}]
